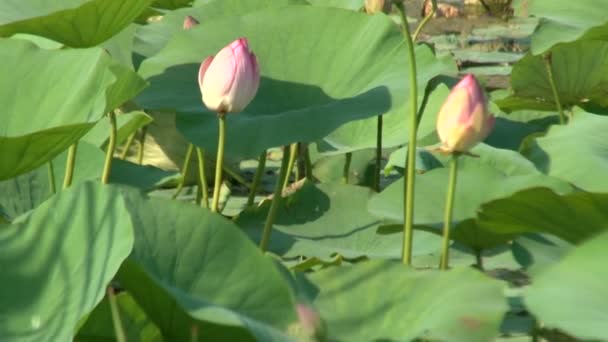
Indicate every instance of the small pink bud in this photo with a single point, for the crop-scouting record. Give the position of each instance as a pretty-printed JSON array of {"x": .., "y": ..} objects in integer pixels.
[
  {"x": 464, "y": 120},
  {"x": 190, "y": 22},
  {"x": 230, "y": 80},
  {"x": 375, "y": 6},
  {"x": 309, "y": 325}
]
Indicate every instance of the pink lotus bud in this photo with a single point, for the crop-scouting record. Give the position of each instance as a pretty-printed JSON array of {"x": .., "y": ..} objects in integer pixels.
[
  {"x": 375, "y": 6},
  {"x": 464, "y": 120},
  {"x": 190, "y": 22},
  {"x": 309, "y": 325},
  {"x": 229, "y": 80}
]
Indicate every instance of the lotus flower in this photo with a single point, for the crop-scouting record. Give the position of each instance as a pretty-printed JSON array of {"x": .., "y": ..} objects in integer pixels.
[
  {"x": 230, "y": 80},
  {"x": 375, "y": 6},
  {"x": 189, "y": 22},
  {"x": 464, "y": 120}
]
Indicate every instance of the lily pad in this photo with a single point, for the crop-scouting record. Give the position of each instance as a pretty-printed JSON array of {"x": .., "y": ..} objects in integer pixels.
[
  {"x": 307, "y": 89},
  {"x": 572, "y": 217},
  {"x": 503, "y": 172},
  {"x": 579, "y": 70},
  {"x": 76, "y": 23},
  {"x": 190, "y": 266},
  {"x": 571, "y": 295},
  {"x": 151, "y": 38},
  {"x": 577, "y": 152},
  {"x": 565, "y": 21},
  {"x": 459, "y": 305},
  {"x": 57, "y": 261},
  {"x": 35, "y": 129}
]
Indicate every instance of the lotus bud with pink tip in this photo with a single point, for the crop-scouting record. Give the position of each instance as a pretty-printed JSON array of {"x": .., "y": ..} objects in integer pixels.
[
  {"x": 230, "y": 80},
  {"x": 189, "y": 22},
  {"x": 464, "y": 120}
]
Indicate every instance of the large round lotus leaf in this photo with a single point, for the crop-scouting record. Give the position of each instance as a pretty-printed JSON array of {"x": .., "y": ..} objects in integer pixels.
[
  {"x": 577, "y": 152},
  {"x": 308, "y": 87},
  {"x": 40, "y": 118},
  {"x": 580, "y": 72},
  {"x": 25, "y": 192},
  {"x": 321, "y": 220},
  {"x": 362, "y": 134},
  {"x": 76, "y": 23},
  {"x": 383, "y": 300},
  {"x": 193, "y": 267},
  {"x": 573, "y": 217},
  {"x": 58, "y": 260},
  {"x": 502, "y": 173},
  {"x": 565, "y": 21},
  {"x": 571, "y": 296},
  {"x": 151, "y": 38}
]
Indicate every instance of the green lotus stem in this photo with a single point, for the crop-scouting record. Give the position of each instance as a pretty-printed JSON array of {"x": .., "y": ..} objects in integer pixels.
[
  {"x": 293, "y": 152},
  {"x": 194, "y": 333},
  {"x": 558, "y": 104},
  {"x": 185, "y": 167},
  {"x": 479, "y": 259},
  {"x": 408, "y": 210},
  {"x": 378, "y": 168},
  {"x": 425, "y": 20},
  {"x": 117, "y": 322},
  {"x": 200, "y": 154},
  {"x": 346, "y": 170},
  {"x": 236, "y": 176},
  {"x": 259, "y": 172},
  {"x": 142, "y": 143},
  {"x": 127, "y": 146},
  {"x": 449, "y": 208},
  {"x": 107, "y": 166},
  {"x": 276, "y": 200},
  {"x": 52, "y": 177},
  {"x": 217, "y": 181},
  {"x": 69, "y": 166},
  {"x": 307, "y": 163}
]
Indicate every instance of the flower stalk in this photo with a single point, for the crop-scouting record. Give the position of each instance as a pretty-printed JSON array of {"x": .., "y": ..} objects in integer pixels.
[
  {"x": 449, "y": 209},
  {"x": 276, "y": 200},
  {"x": 259, "y": 172},
  {"x": 217, "y": 181},
  {"x": 107, "y": 166},
  {"x": 69, "y": 166},
  {"x": 408, "y": 209}
]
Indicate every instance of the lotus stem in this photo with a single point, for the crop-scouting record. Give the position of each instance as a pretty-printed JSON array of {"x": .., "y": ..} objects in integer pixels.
[
  {"x": 449, "y": 208},
  {"x": 127, "y": 146},
  {"x": 558, "y": 104},
  {"x": 293, "y": 152},
  {"x": 119, "y": 331},
  {"x": 378, "y": 168},
  {"x": 425, "y": 20},
  {"x": 107, "y": 166},
  {"x": 236, "y": 176},
  {"x": 185, "y": 168},
  {"x": 69, "y": 166},
  {"x": 219, "y": 162},
  {"x": 142, "y": 144},
  {"x": 259, "y": 172},
  {"x": 348, "y": 157},
  {"x": 52, "y": 184},
  {"x": 307, "y": 163},
  {"x": 276, "y": 200},
  {"x": 410, "y": 166},
  {"x": 200, "y": 154}
]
